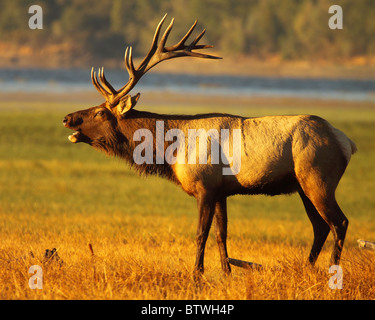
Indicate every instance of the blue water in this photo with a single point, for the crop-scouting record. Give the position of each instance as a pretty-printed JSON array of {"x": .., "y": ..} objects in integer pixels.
[{"x": 68, "y": 80}]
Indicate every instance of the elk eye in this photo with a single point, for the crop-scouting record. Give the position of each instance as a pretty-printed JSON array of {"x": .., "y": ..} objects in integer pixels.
[{"x": 99, "y": 113}]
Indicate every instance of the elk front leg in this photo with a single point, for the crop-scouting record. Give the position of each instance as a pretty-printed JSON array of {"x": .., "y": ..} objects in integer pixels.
[
  {"x": 206, "y": 207},
  {"x": 221, "y": 233}
]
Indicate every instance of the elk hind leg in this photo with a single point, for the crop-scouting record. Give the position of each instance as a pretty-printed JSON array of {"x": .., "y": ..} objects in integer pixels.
[
  {"x": 339, "y": 227},
  {"x": 322, "y": 195},
  {"x": 320, "y": 228}
]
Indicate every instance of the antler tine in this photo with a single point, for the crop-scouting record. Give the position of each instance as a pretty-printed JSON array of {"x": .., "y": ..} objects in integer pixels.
[
  {"x": 126, "y": 60},
  {"x": 97, "y": 85},
  {"x": 129, "y": 62},
  {"x": 182, "y": 50},
  {"x": 165, "y": 36},
  {"x": 194, "y": 46},
  {"x": 107, "y": 86},
  {"x": 196, "y": 40},
  {"x": 154, "y": 44},
  {"x": 181, "y": 43},
  {"x": 157, "y": 32}
]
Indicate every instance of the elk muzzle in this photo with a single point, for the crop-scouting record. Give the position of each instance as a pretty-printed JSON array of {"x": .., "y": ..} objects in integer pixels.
[{"x": 73, "y": 123}]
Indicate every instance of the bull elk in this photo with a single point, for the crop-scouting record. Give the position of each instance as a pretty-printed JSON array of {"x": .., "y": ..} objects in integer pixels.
[{"x": 278, "y": 154}]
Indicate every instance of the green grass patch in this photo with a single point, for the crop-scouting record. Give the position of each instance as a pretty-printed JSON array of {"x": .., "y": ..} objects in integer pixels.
[{"x": 42, "y": 172}]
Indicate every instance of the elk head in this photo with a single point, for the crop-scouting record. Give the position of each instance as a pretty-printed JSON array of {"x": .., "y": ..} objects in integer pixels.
[{"x": 98, "y": 126}]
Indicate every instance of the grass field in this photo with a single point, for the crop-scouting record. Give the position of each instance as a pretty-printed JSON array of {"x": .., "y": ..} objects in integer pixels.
[{"x": 54, "y": 194}]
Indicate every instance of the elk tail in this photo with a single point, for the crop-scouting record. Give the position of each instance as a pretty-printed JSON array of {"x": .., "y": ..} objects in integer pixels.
[
  {"x": 347, "y": 145},
  {"x": 353, "y": 146}
]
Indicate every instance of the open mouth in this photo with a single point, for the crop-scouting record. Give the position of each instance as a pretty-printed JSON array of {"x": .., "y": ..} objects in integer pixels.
[
  {"x": 75, "y": 137},
  {"x": 78, "y": 136}
]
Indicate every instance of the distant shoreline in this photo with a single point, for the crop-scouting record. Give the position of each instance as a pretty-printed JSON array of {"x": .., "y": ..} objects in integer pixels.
[{"x": 361, "y": 67}]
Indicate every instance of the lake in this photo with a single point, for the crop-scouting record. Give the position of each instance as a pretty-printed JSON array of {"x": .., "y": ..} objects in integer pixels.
[{"x": 68, "y": 80}]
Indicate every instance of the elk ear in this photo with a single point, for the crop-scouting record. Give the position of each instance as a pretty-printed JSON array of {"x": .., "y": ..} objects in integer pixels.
[{"x": 127, "y": 103}]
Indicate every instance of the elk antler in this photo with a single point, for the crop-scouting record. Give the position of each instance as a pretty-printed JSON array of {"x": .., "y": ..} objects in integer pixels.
[{"x": 157, "y": 53}]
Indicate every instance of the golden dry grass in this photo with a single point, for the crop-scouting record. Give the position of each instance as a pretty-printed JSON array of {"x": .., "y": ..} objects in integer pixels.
[{"x": 152, "y": 258}]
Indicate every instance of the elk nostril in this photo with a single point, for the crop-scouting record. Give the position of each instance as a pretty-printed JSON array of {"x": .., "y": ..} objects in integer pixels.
[
  {"x": 78, "y": 122},
  {"x": 65, "y": 120}
]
